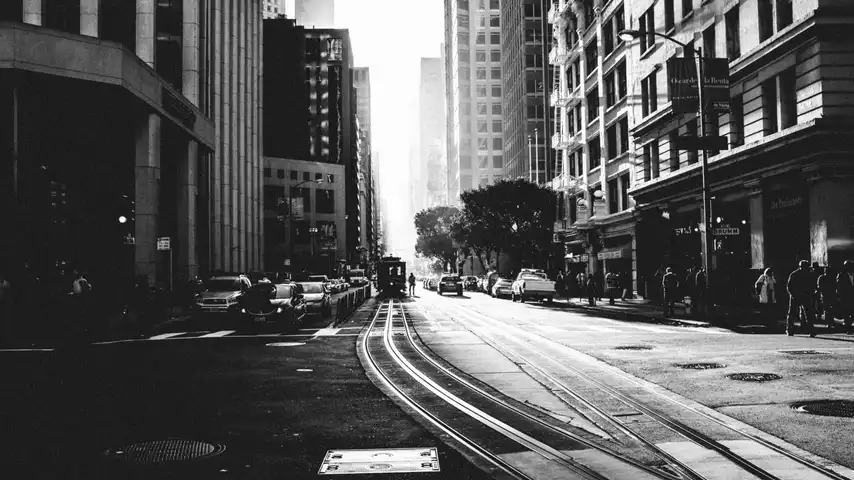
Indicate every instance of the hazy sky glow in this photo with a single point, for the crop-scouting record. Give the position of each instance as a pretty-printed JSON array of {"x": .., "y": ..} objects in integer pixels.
[{"x": 390, "y": 37}]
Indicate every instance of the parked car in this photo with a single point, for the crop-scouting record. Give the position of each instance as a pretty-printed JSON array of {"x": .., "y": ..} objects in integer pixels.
[
  {"x": 432, "y": 283},
  {"x": 336, "y": 285},
  {"x": 320, "y": 278},
  {"x": 533, "y": 284},
  {"x": 357, "y": 278},
  {"x": 503, "y": 288},
  {"x": 317, "y": 298},
  {"x": 282, "y": 305},
  {"x": 470, "y": 283},
  {"x": 450, "y": 283},
  {"x": 220, "y": 295}
]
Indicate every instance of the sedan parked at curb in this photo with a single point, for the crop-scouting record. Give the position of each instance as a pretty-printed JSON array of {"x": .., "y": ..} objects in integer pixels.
[
  {"x": 503, "y": 288},
  {"x": 317, "y": 298},
  {"x": 450, "y": 283}
]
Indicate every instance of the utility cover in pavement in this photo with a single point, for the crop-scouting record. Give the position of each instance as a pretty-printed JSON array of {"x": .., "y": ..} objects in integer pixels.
[
  {"x": 827, "y": 408},
  {"x": 158, "y": 452},
  {"x": 699, "y": 366},
  {"x": 803, "y": 352},
  {"x": 389, "y": 460},
  {"x": 753, "y": 377},
  {"x": 633, "y": 347}
]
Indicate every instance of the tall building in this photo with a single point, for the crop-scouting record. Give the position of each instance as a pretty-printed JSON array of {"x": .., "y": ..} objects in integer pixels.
[
  {"x": 596, "y": 220},
  {"x": 431, "y": 122},
  {"x": 528, "y": 151},
  {"x": 273, "y": 8},
  {"x": 315, "y": 13},
  {"x": 286, "y": 92},
  {"x": 474, "y": 94},
  {"x": 160, "y": 98},
  {"x": 367, "y": 190},
  {"x": 782, "y": 191}
]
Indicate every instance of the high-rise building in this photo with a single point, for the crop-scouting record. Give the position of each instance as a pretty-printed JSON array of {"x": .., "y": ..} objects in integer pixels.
[
  {"x": 474, "y": 94},
  {"x": 160, "y": 98},
  {"x": 528, "y": 151},
  {"x": 595, "y": 218},
  {"x": 431, "y": 122},
  {"x": 286, "y": 92},
  {"x": 367, "y": 192},
  {"x": 273, "y": 8},
  {"x": 782, "y": 190},
  {"x": 315, "y": 13}
]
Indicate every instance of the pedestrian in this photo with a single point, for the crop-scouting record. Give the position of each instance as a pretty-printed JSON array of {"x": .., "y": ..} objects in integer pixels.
[
  {"x": 826, "y": 287},
  {"x": 801, "y": 288},
  {"x": 766, "y": 288},
  {"x": 816, "y": 272},
  {"x": 569, "y": 283},
  {"x": 612, "y": 282},
  {"x": 600, "y": 284},
  {"x": 658, "y": 277},
  {"x": 581, "y": 279},
  {"x": 845, "y": 294},
  {"x": 701, "y": 302},
  {"x": 590, "y": 289},
  {"x": 411, "y": 283},
  {"x": 625, "y": 284},
  {"x": 670, "y": 286},
  {"x": 559, "y": 283}
]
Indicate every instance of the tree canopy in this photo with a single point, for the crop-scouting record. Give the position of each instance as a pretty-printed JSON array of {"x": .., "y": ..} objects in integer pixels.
[{"x": 433, "y": 227}]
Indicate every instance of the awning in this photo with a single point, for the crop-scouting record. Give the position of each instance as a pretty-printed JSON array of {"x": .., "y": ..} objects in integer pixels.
[{"x": 614, "y": 253}]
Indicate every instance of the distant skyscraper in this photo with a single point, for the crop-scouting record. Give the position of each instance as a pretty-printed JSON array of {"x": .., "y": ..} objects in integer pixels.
[
  {"x": 475, "y": 142},
  {"x": 273, "y": 8},
  {"x": 315, "y": 13},
  {"x": 431, "y": 118}
]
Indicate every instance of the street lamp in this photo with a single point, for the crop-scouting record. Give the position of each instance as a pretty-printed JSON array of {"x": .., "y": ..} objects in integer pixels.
[
  {"x": 629, "y": 35},
  {"x": 291, "y": 218}
]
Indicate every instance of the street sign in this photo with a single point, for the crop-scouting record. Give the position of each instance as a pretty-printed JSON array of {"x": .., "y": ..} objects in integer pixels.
[
  {"x": 692, "y": 143},
  {"x": 164, "y": 243},
  {"x": 725, "y": 231},
  {"x": 287, "y": 262},
  {"x": 682, "y": 73}
]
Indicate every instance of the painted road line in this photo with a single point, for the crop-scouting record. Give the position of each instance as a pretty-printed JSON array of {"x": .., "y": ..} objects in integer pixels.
[
  {"x": 12, "y": 350},
  {"x": 164, "y": 336},
  {"x": 327, "y": 332},
  {"x": 218, "y": 334}
]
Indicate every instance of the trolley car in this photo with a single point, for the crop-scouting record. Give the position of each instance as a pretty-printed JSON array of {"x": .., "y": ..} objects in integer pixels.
[{"x": 391, "y": 276}]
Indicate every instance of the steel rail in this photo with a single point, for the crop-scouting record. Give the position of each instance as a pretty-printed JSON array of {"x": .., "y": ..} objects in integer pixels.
[
  {"x": 675, "y": 426},
  {"x": 433, "y": 419},
  {"x": 514, "y": 434},
  {"x": 575, "y": 437}
]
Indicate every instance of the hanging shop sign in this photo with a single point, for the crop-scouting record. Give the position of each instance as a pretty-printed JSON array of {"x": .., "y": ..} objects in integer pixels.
[
  {"x": 583, "y": 258},
  {"x": 723, "y": 232},
  {"x": 716, "y": 83},
  {"x": 683, "y": 231},
  {"x": 297, "y": 208},
  {"x": 614, "y": 253},
  {"x": 682, "y": 77}
]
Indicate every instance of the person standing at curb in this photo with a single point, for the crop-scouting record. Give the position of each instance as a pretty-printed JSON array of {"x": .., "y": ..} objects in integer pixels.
[
  {"x": 670, "y": 286},
  {"x": 411, "y": 284},
  {"x": 612, "y": 282},
  {"x": 801, "y": 288},
  {"x": 766, "y": 288},
  {"x": 582, "y": 285},
  {"x": 590, "y": 287},
  {"x": 845, "y": 294},
  {"x": 826, "y": 287}
]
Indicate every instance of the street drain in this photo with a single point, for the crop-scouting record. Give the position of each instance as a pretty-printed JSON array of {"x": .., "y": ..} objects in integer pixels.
[
  {"x": 803, "y": 352},
  {"x": 753, "y": 377},
  {"x": 699, "y": 366},
  {"x": 633, "y": 347},
  {"x": 827, "y": 408},
  {"x": 158, "y": 452}
]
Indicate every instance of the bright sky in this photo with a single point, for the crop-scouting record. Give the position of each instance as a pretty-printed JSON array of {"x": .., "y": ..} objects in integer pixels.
[{"x": 390, "y": 37}]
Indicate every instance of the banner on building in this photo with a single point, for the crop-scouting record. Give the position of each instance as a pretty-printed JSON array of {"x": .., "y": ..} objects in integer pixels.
[
  {"x": 716, "y": 83},
  {"x": 297, "y": 208},
  {"x": 682, "y": 77}
]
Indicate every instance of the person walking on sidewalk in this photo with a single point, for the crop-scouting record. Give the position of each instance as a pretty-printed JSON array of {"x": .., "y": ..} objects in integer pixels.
[
  {"x": 766, "y": 288},
  {"x": 559, "y": 284},
  {"x": 826, "y": 287},
  {"x": 581, "y": 279},
  {"x": 670, "y": 286},
  {"x": 411, "y": 283},
  {"x": 801, "y": 288},
  {"x": 625, "y": 284},
  {"x": 612, "y": 281},
  {"x": 590, "y": 288},
  {"x": 845, "y": 294}
]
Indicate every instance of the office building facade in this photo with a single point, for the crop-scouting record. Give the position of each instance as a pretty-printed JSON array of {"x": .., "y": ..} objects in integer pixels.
[
  {"x": 273, "y": 8},
  {"x": 475, "y": 140},
  {"x": 367, "y": 181},
  {"x": 431, "y": 133},
  {"x": 175, "y": 129}
]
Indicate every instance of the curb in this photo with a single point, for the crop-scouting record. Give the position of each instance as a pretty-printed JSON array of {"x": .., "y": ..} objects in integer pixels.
[{"x": 639, "y": 317}]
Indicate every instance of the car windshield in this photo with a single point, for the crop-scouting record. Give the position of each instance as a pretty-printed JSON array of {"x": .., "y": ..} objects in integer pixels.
[
  {"x": 283, "y": 291},
  {"x": 450, "y": 279},
  {"x": 222, "y": 285},
  {"x": 533, "y": 276},
  {"x": 312, "y": 288},
  {"x": 317, "y": 278},
  {"x": 357, "y": 273}
]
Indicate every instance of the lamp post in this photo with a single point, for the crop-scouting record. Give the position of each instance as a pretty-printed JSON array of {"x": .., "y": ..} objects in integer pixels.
[
  {"x": 628, "y": 35},
  {"x": 291, "y": 218}
]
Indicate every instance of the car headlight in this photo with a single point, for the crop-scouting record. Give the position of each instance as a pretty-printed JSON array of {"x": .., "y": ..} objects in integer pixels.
[
  {"x": 279, "y": 310},
  {"x": 242, "y": 310}
]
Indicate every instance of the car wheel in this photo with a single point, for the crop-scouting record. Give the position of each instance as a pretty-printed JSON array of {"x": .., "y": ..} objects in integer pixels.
[{"x": 548, "y": 300}]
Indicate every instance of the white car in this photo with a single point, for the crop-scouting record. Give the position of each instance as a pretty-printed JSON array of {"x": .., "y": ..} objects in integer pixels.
[
  {"x": 533, "y": 284},
  {"x": 503, "y": 288}
]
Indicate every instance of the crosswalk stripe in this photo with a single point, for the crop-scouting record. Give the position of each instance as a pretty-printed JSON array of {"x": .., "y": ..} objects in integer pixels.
[
  {"x": 220, "y": 333},
  {"x": 164, "y": 336}
]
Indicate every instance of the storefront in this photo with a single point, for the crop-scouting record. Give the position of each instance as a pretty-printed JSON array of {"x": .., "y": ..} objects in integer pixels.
[{"x": 786, "y": 226}]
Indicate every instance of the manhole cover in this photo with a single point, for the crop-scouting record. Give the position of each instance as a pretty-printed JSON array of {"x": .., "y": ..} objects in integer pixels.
[
  {"x": 753, "y": 377},
  {"x": 633, "y": 347},
  {"x": 158, "y": 452},
  {"x": 286, "y": 344},
  {"x": 827, "y": 408},
  {"x": 699, "y": 366},
  {"x": 803, "y": 352}
]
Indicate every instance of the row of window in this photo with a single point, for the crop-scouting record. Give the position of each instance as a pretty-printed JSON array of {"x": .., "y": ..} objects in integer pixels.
[
  {"x": 306, "y": 176},
  {"x": 482, "y": 161},
  {"x": 274, "y": 198},
  {"x": 616, "y": 143},
  {"x": 480, "y": 56}
]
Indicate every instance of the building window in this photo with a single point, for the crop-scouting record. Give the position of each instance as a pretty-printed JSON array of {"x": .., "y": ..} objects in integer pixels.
[
  {"x": 465, "y": 161},
  {"x": 481, "y": 126},
  {"x": 325, "y": 200},
  {"x": 494, "y": 4},
  {"x": 619, "y": 24},
  {"x": 650, "y": 160},
  {"x": 481, "y": 91},
  {"x": 496, "y": 91},
  {"x": 480, "y": 56},
  {"x": 611, "y": 89},
  {"x": 646, "y": 24},
  {"x": 482, "y": 180},
  {"x": 625, "y": 183},
  {"x": 669, "y": 16},
  {"x": 593, "y": 105},
  {"x": 495, "y": 73},
  {"x": 691, "y": 130},
  {"x": 622, "y": 87},
  {"x": 280, "y": 173},
  {"x": 480, "y": 39},
  {"x": 480, "y": 73},
  {"x": 268, "y": 172},
  {"x": 674, "y": 153},
  {"x": 494, "y": 21},
  {"x": 330, "y": 178},
  {"x": 578, "y": 122},
  {"x": 613, "y": 204},
  {"x": 497, "y": 161},
  {"x": 591, "y": 56},
  {"x": 623, "y": 132},
  {"x": 306, "y": 176},
  {"x": 649, "y": 93},
  {"x": 784, "y": 14},
  {"x": 495, "y": 55},
  {"x": 612, "y": 143},
  {"x": 318, "y": 177},
  {"x": 608, "y": 40},
  {"x": 272, "y": 194},
  {"x": 497, "y": 144},
  {"x": 687, "y": 7},
  {"x": 482, "y": 144},
  {"x": 305, "y": 194},
  {"x": 766, "y": 19},
  {"x": 709, "y": 41},
  {"x": 465, "y": 182},
  {"x": 733, "y": 42},
  {"x": 595, "y": 153},
  {"x": 769, "y": 106},
  {"x": 533, "y": 10},
  {"x": 496, "y": 108},
  {"x": 495, "y": 38},
  {"x": 481, "y": 108},
  {"x": 482, "y": 161},
  {"x": 788, "y": 99}
]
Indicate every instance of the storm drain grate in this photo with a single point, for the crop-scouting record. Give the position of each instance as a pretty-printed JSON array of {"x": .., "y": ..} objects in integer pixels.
[
  {"x": 633, "y": 347},
  {"x": 699, "y": 366},
  {"x": 827, "y": 408},
  {"x": 753, "y": 377},
  {"x": 158, "y": 452},
  {"x": 803, "y": 352}
]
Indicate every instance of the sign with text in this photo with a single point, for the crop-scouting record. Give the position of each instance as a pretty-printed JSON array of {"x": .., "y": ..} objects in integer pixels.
[
  {"x": 682, "y": 77},
  {"x": 164, "y": 243},
  {"x": 297, "y": 208},
  {"x": 716, "y": 83},
  {"x": 583, "y": 258},
  {"x": 723, "y": 232}
]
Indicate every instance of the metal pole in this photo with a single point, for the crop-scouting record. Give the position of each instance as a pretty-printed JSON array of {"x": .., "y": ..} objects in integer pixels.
[
  {"x": 537, "y": 154},
  {"x": 530, "y": 155},
  {"x": 707, "y": 220}
]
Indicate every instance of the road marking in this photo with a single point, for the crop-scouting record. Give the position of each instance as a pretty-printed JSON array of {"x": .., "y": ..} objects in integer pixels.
[
  {"x": 220, "y": 333},
  {"x": 327, "y": 332},
  {"x": 3, "y": 350},
  {"x": 164, "y": 336},
  {"x": 708, "y": 463}
]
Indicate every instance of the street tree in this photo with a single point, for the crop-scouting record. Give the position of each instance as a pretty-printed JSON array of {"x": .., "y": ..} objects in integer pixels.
[{"x": 433, "y": 227}]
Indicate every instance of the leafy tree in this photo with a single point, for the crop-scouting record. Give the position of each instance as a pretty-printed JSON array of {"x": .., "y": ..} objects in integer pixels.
[
  {"x": 433, "y": 226},
  {"x": 514, "y": 216}
]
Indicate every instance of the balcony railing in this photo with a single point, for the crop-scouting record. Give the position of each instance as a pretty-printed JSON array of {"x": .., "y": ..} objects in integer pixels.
[
  {"x": 565, "y": 183},
  {"x": 554, "y": 11},
  {"x": 561, "y": 99},
  {"x": 558, "y": 54}
]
